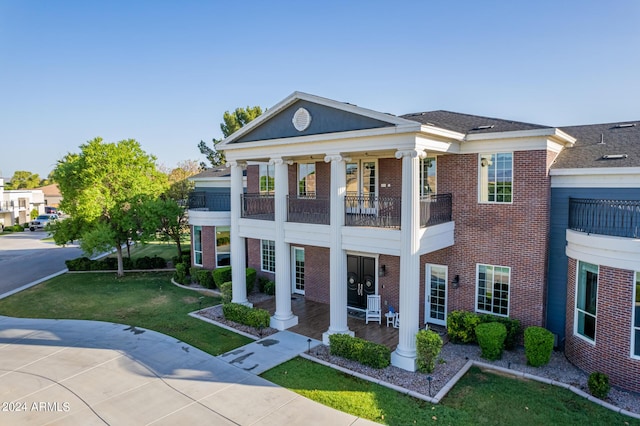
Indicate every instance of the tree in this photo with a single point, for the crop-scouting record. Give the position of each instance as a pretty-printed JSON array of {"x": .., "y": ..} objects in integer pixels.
[
  {"x": 232, "y": 121},
  {"x": 105, "y": 189},
  {"x": 23, "y": 180},
  {"x": 170, "y": 210}
]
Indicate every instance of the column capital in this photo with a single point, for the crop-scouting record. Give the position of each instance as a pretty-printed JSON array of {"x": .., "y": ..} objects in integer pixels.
[
  {"x": 335, "y": 157},
  {"x": 240, "y": 164},
  {"x": 276, "y": 161},
  {"x": 413, "y": 153}
]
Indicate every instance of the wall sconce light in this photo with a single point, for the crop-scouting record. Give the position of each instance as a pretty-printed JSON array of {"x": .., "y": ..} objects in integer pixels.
[
  {"x": 382, "y": 271},
  {"x": 456, "y": 281}
]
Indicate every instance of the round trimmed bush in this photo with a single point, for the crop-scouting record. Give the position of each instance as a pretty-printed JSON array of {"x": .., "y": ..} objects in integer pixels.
[
  {"x": 491, "y": 337},
  {"x": 538, "y": 345},
  {"x": 599, "y": 385}
]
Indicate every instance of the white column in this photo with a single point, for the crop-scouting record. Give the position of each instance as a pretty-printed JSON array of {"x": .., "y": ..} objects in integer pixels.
[
  {"x": 238, "y": 251},
  {"x": 283, "y": 317},
  {"x": 337, "y": 256},
  {"x": 405, "y": 354}
]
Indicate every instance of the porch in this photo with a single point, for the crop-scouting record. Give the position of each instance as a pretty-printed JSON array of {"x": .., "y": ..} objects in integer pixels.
[{"x": 313, "y": 320}]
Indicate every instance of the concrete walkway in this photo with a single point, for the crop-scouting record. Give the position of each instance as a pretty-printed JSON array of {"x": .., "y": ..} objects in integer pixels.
[{"x": 95, "y": 373}]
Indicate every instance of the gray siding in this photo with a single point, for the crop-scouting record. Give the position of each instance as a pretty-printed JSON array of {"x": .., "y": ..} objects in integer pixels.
[
  {"x": 323, "y": 120},
  {"x": 557, "y": 277}
]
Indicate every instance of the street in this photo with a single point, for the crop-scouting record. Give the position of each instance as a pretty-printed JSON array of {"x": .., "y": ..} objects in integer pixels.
[{"x": 24, "y": 258}]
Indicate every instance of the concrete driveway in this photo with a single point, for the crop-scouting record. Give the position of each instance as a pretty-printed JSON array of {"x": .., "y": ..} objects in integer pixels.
[{"x": 93, "y": 373}]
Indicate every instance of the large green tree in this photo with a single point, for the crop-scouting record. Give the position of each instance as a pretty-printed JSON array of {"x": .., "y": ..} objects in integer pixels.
[
  {"x": 232, "y": 121},
  {"x": 23, "y": 179},
  {"x": 170, "y": 209},
  {"x": 105, "y": 189}
]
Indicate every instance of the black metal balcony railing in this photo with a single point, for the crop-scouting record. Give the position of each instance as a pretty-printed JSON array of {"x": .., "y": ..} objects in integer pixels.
[
  {"x": 435, "y": 209},
  {"x": 208, "y": 201},
  {"x": 371, "y": 210},
  {"x": 257, "y": 206},
  {"x": 618, "y": 218},
  {"x": 308, "y": 210}
]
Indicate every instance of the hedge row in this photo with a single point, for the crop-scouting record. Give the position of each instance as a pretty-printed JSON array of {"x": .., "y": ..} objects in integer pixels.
[
  {"x": 111, "y": 263},
  {"x": 253, "y": 317},
  {"x": 357, "y": 349}
]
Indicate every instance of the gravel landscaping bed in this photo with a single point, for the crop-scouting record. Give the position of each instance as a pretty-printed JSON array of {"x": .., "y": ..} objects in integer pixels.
[{"x": 451, "y": 359}]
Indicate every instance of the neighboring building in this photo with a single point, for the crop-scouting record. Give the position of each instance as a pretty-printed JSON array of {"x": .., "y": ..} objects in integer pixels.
[
  {"x": 52, "y": 195},
  {"x": 594, "y": 258},
  {"x": 16, "y": 205},
  {"x": 433, "y": 211}
]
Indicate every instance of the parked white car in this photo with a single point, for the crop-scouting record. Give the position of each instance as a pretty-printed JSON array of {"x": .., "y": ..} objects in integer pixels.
[{"x": 42, "y": 221}]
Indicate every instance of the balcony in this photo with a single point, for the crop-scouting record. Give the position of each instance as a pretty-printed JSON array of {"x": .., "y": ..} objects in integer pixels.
[
  {"x": 209, "y": 201},
  {"x": 6, "y": 206},
  {"x": 257, "y": 206},
  {"x": 308, "y": 210},
  {"x": 435, "y": 209},
  {"x": 618, "y": 218},
  {"x": 371, "y": 210}
]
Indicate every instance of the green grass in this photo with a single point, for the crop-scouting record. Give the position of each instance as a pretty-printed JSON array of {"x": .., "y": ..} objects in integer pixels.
[
  {"x": 479, "y": 398},
  {"x": 165, "y": 250},
  {"x": 146, "y": 300}
]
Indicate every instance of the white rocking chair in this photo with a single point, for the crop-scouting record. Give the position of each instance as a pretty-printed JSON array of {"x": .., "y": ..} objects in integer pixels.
[{"x": 373, "y": 309}]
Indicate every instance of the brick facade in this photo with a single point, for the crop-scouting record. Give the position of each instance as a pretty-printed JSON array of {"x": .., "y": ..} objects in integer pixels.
[
  {"x": 208, "y": 236},
  {"x": 611, "y": 352}
]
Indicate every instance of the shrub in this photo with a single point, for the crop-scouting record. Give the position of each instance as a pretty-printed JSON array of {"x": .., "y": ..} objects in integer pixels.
[
  {"x": 78, "y": 264},
  {"x": 147, "y": 262},
  {"x": 367, "y": 353},
  {"x": 180, "y": 275},
  {"x": 14, "y": 228},
  {"x": 538, "y": 345},
  {"x": 599, "y": 385},
  {"x": 227, "y": 292},
  {"x": 205, "y": 278},
  {"x": 270, "y": 288},
  {"x": 428, "y": 346},
  {"x": 513, "y": 329},
  {"x": 193, "y": 272},
  {"x": 251, "y": 279},
  {"x": 253, "y": 317},
  {"x": 491, "y": 337},
  {"x": 461, "y": 326},
  {"x": 262, "y": 281},
  {"x": 222, "y": 275}
]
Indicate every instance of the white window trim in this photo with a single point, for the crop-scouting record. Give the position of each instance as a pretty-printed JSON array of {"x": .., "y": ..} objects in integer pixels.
[
  {"x": 293, "y": 269},
  {"x": 269, "y": 168},
  {"x": 575, "y": 307},
  {"x": 480, "y": 200},
  {"x": 315, "y": 172},
  {"x": 262, "y": 257},
  {"x": 422, "y": 178},
  {"x": 475, "y": 302},
  {"x": 636, "y": 278},
  {"x": 194, "y": 247},
  {"x": 427, "y": 290}
]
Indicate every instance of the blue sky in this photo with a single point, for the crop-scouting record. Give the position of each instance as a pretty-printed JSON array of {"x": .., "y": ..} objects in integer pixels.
[{"x": 164, "y": 72}]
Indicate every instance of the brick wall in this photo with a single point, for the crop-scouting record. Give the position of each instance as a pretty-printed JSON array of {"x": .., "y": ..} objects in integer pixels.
[
  {"x": 316, "y": 273},
  {"x": 208, "y": 236},
  {"x": 611, "y": 352}
]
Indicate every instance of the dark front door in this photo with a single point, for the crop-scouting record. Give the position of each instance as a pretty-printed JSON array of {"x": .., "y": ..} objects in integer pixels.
[{"x": 361, "y": 280}]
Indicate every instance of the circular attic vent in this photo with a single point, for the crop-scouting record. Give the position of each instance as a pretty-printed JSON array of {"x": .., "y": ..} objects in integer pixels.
[{"x": 301, "y": 119}]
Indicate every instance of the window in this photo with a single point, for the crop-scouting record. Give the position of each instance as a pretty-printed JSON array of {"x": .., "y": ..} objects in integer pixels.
[
  {"x": 586, "y": 299},
  {"x": 298, "y": 269},
  {"x": 197, "y": 245},
  {"x": 223, "y": 246},
  {"x": 493, "y": 289},
  {"x": 307, "y": 180},
  {"x": 267, "y": 179},
  {"x": 268, "y": 255},
  {"x": 496, "y": 178},
  {"x": 428, "y": 176},
  {"x": 635, "y": 339}
]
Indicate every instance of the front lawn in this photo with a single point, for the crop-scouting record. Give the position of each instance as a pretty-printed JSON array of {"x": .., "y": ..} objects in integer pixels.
[
  {"x": 146, "y": 300},
  {"x": 479, "y": 398}
]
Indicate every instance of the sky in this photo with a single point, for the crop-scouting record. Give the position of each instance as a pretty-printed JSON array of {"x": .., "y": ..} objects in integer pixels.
[{"x": 164, "y": 72}]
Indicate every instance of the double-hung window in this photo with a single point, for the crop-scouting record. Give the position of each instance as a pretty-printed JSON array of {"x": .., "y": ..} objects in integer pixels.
[
  {"x": 307, "y": 180},
  {"x": 268, "y": 255},
  {"x": 267, "y": 179},
  {"x": 635, "y": 338},
  {"x": 586, "y": 301},
  {"x": 492, "y": 289},
  {"x": 223, "y": 246},
  {"x": 197, "y": 245},
  {"x": 428, "y": 176},
  {"x": 496, "y": 177}
]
